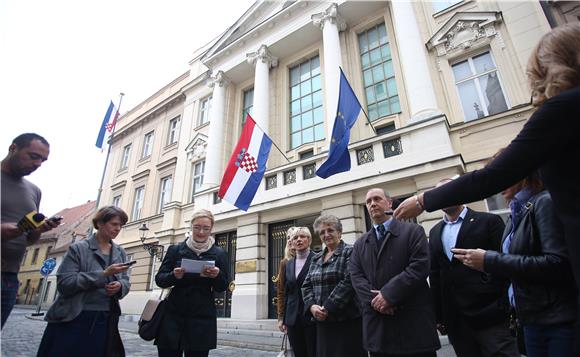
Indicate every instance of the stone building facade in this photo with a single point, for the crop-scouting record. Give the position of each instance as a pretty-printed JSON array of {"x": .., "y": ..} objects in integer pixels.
[{"x": 443, "y": 85}]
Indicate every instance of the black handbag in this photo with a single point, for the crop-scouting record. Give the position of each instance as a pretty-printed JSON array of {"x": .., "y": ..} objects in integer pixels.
[{"x": 151, "y": 317}]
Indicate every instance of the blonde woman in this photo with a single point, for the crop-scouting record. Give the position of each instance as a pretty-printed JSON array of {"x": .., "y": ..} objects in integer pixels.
[
  {"x": 301, "y": 330},
  {"x": 289, "y": 253},
  {"x": 189, "y": 326}
]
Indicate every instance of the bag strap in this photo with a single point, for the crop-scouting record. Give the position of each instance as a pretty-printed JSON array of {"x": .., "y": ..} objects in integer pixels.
[{"x": 284, "y": 346}]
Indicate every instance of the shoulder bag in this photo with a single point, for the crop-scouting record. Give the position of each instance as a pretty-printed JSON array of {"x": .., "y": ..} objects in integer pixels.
[
  {"x": 151, "y": 317},
  {"x": 285, "y": 349}
]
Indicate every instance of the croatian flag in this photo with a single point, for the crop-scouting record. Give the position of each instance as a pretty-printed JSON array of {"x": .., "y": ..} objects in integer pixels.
[
  {"x": 246, "y": 166},
  {"x": 112, "y": 112}
]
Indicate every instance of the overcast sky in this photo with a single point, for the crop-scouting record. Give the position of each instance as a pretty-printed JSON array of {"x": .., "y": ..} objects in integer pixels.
[{"x": 62, "y": 61}]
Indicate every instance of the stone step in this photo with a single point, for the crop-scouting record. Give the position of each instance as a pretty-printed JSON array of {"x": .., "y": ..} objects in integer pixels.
[{"x": 256, "y": 334}]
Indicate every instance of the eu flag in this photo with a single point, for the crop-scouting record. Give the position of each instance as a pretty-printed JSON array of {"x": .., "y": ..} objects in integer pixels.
[{"x": 348, "y": 110}]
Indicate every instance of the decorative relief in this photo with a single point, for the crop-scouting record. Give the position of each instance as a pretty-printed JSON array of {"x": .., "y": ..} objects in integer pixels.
[
  {"x": 218, "y": 78},
  {"x": 364, "y": 156},
  {"x": 392, "y": 147},
  {"x": 331, "y": 15},
  {"x": 289, "y": 177},
  {"x": 463, "y": 30},
  {"x": 263, "y": 55},
  {"x": 309, "y": 171},
  {"x": 197, "y": 147},
  {"x": 463, "y": 35},
  {"x": 271, "y": 182}
]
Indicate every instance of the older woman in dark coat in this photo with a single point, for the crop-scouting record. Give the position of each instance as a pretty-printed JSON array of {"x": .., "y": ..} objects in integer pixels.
[
  {"x": 329, "y": 297},
  {"x": 189, "y": 326}
]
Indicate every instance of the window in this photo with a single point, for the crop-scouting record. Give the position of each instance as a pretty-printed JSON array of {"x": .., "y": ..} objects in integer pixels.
[
  {"x": 197, "y": 177},
  {"x": 48, "y": 251},
  {"x": 248, "y": 104},
  {"x": 204, "y": 109},
  {"x": 27, "y": 286},
  {"x": 117, "y": 201},
  {"x": 306, "y": 113},
  {"x": 440, "y": 5},
  {"x": 147, "y": 145},
  {"x": 138, "y": 203},
  {"x": 164, "y": 192},
  {"x": 125, "y": 157},
  {"x": 479, "y": 87},
  {"x": 378, "y": 74},
  {"x": 173, "y": 134},
  {"x": 35, "y": 256}
]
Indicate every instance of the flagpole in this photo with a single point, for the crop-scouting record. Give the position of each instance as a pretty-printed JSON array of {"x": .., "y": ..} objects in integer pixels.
[
  {"x": 273, "y": 143},
  {"x": 361, "y": 107},
  {"x": 108, "y": 154}
]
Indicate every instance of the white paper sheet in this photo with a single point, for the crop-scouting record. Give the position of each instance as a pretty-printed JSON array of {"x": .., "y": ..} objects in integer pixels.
[{"x": 195, "y": 266}]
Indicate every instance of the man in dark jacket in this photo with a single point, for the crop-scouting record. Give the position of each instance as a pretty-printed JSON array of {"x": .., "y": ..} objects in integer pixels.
[
  {"x": 470, "y": 306},
  {"x": 389, "y": 266}
]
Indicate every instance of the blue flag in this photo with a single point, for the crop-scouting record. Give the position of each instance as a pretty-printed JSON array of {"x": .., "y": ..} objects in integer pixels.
[
  {"x": 101, "y": 136},
  {"x": 348, "y": 110}
]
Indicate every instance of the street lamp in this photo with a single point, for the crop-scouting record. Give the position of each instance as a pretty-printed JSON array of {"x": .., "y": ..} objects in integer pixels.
[{"x": 154, "y": 249}]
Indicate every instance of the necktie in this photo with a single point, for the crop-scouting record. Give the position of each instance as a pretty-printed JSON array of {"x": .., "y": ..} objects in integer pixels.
[{"x": 382, "y": 233}]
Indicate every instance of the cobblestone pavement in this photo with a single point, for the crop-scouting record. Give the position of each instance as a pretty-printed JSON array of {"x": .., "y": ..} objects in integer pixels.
[{"x": 21, "y": 336}]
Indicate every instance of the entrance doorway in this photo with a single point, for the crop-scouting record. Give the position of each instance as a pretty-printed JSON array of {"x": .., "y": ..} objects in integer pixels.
[{"x": 223, "y": 301}]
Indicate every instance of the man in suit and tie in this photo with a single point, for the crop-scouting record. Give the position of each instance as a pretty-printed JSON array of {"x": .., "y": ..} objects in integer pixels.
[
  {"x": 470, "y": 306},
  {"x": 388, "y": 267}
]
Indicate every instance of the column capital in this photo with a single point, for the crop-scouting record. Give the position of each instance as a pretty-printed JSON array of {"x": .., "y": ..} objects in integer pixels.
[
  {"x": 218, "y": 78},
  {"x": 331, "y": 15},
  {"x": 264, "y": 55}
]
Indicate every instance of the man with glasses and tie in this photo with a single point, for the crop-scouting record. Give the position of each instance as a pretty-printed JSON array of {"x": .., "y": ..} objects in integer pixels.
[{"x": 389, "y": 266}]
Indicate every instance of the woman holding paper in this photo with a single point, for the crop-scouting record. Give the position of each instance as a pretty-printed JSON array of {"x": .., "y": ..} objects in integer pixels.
[{"x": 195, "y": 268}]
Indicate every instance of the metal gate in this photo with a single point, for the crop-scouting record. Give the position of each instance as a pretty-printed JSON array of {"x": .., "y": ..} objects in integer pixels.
[
  {"x": 277, "y": 243},
  {"x": 223, "y": 301}
]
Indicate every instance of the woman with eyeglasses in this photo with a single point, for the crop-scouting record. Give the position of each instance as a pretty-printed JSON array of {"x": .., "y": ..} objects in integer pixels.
[
  {"x": 329, "y": 298},
  {"x": 189, "y": 326}
]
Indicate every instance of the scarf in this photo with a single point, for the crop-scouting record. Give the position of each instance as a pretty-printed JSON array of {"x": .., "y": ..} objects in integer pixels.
[{"x": 199, "y": 247}]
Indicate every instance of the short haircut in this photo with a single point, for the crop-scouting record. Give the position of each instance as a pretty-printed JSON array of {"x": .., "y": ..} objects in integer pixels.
[
  {"x": 23, "y": 140},
  {"x": 203, "y": 213},
  {"x": 302, "y": 230},
  {"x": 107, "y": 213},
  {"x": 328, "y": 219},
  {"x": 387, "y": 196}
]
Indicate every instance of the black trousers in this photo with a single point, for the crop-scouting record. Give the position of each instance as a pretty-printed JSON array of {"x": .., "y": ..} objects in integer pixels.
[
  {"x": 303, "y": 340},
  {"x": 424, "y": 354},
  {"x": 491, "y": 341},
  {"x": 162, "y": 352}
]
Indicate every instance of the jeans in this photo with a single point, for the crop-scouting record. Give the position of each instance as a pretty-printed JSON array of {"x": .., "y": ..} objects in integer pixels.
[
  {"x": 9, "y": 291},
  {"x": 549, "y": 340}
]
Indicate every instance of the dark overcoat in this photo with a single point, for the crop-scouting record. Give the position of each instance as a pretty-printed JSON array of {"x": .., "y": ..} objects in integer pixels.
[
  {"x": 399, "y": 269},
  {"x": 190, "y": 316}
]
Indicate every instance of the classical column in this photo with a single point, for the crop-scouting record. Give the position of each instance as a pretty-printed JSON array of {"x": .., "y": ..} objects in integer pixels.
[
  {"x": 420, "y": 92},
  {"x": 330, "y": 23},
  {"x": 263, "y": 61},
  {"x": 215, "y": 140}
]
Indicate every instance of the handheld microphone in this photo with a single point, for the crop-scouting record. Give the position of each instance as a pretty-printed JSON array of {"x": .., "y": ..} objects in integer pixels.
[
  {"x": 389, "y": 212},
  {"x": 31, "y": 221}
]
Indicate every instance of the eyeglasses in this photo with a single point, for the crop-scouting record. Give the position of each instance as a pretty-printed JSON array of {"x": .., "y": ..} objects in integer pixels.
[{"x": 204, "y": 229}]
